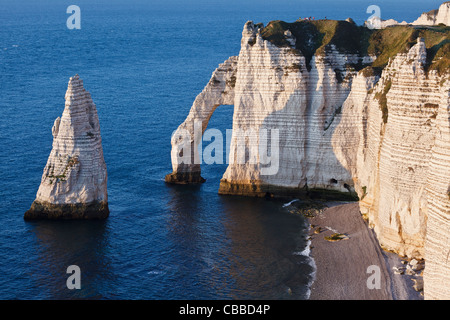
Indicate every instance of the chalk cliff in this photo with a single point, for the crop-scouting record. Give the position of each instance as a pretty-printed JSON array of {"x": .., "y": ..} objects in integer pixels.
[
  {"x": 391, "y": 177},
  {"x": 279, "y": 88},
  {"x": 185, "y": 140},
  {"x": 437, "y": 242},
  {"x": 435, "y": 17},
  {"x": 73, "y": 184},
  {"x": 377, "y": 23},
  {"x": 356, "y": 113},
  {"x": 430, "y": 18}
]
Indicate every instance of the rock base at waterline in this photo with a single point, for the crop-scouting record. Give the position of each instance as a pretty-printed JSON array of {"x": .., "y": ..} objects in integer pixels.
[
  {"x": 256, "y": 189},
  {"x": 78, "y": 211},
  {"x": 184, "y": 178}
]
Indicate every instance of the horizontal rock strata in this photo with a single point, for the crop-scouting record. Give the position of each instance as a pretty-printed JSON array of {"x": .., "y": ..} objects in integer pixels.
[
  {"x": 185, "y": 140},
  {"x": 390, "y": 133},
  {"x": 278, "y": 88},
  {"x": 435, "y": 17},
  {"x": 74, "y": 181},
  {"x": 437, "y": 241},
  {"x": 350, "y": 120}
]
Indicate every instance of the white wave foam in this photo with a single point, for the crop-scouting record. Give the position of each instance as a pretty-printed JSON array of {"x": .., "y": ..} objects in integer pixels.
[
  {"x": 155, "y": 272},
  {"x": 331, "y": 229},
  {"x": 312, "y": 263},
  {"x": 307, "y": 253},
  {"x": 289, "y": 203}
]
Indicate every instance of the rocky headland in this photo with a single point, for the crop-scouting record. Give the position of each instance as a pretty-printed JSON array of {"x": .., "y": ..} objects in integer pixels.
[
  {"x": 73, "y": 184},
  {"x": 434, "y": 17},
  {"x": 362, "y": 114}
]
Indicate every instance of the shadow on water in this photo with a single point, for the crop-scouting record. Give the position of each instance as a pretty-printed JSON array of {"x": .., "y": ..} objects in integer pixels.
[
  {"x": 194, "y": 236},
  {"x": 226, "y": 247},
  {"x": 185, "y": 218},
  {"x": 60, "y": 244},
  {"x": 264, "y": 247}
]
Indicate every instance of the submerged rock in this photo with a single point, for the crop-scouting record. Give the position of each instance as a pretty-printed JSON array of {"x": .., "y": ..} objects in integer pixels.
[
  {"x": 73, "y": 184},
  {"x": 418, "y": 284}
]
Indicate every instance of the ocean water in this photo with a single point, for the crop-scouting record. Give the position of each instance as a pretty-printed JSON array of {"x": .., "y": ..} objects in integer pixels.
[{"x": 143, "y": 62}]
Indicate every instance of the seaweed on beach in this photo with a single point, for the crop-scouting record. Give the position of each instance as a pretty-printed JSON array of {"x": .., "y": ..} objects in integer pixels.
[{"x": 336, "y": 237}]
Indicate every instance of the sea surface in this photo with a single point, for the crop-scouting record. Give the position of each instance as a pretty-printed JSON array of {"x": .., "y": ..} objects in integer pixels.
[{"x": 143, "y": 62}]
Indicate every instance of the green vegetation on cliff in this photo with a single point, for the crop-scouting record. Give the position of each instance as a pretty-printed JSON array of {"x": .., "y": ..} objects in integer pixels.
[
  {"x": 387, "y": 43},
  {"x": 382, "y": 98},
  {"x": 313, "y": 37},
  {"x": 316, "y": 36}
]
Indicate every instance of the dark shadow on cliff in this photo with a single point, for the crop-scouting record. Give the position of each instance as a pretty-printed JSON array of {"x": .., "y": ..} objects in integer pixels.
[
  {"x": 308, "y": 166},
  {"x": 317, "y": 172}
]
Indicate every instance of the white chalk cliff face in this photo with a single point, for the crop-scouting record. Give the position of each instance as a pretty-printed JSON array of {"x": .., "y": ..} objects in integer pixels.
[
  {"x": 435, "y": 17},
  {"x": 437, "y": 242},
  {"x": 377, "y": 23},
  {"x": 341, "y": 133},
  {"x": 431, "y": 18},
  {"x": 74, "y": 180},
  {"x": 185, "y": 140},
  {"x": 390, "y": 168},
  {"x": 401, "y": 168},
  {"x": 275, "y": 90}
]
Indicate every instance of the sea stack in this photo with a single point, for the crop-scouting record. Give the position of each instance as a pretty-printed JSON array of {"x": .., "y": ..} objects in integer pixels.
[{"x": 73, "y": 184}]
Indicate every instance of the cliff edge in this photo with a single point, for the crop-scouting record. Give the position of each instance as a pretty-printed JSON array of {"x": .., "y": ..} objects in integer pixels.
[
  {"x": 435, "y": 17},
  {"x": 356, "y": 114}
]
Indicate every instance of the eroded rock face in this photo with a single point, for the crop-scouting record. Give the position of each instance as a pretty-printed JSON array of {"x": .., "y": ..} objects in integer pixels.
[
  {"x": 377, "y": 23},
  {"x": 435, "y": 17},
  {"x": 275, "y": 90},
  {"x": 431, "y": 18},
  {"x": 74, "y": 182},
  {"x": 384, "y": 137},
  {"x": 437, "y": 240},
  {"x": 388, "y": 149},
  {"x": 185, "y": 140}
]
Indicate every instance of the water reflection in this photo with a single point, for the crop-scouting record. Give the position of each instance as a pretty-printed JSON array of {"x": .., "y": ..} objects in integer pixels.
[
  {"x": 192, "y": 238},
  {"x": 185, "y": 212},
  {"x": 63, "y": 243},
  {"x": 226, "y": 247},
  {"x": 264, "y": 239}
]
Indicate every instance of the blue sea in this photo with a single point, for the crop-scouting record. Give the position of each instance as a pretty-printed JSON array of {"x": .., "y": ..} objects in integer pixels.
[{"x": 143, "y": 62}]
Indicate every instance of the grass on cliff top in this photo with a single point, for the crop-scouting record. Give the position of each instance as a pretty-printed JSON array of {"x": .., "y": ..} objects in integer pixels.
[
  {"x": 382, "y": 98},
  {"x": 314, "y": 37},
  {"x": 387, "y": 43},
  {"x": 438, "y": 55}
]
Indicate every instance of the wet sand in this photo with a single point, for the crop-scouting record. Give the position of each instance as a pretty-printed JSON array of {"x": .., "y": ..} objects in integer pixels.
[{"x": 342, "y": 266}]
